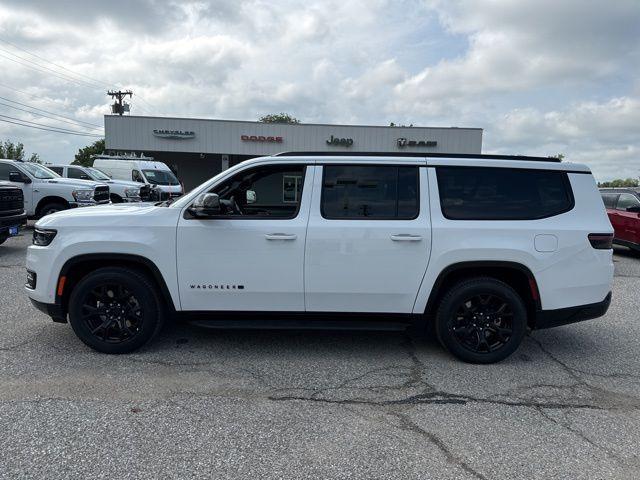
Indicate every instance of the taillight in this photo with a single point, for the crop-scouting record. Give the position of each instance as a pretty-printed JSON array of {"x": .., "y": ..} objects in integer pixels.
[{"x": 601, "y": 241}]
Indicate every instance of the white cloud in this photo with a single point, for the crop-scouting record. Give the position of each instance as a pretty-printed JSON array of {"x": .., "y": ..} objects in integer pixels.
[{"x": 541, "y": 76}]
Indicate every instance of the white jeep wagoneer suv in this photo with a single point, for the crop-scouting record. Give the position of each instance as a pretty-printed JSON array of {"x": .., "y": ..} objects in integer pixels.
[{"x": 481, "y": 247}]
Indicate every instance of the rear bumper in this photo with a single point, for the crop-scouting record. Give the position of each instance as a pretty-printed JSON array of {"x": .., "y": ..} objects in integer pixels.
[
  {"x": 52, "y": 309},
  {"x": 564, "y": 316}
]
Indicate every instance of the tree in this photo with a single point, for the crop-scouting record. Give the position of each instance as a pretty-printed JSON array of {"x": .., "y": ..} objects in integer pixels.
[
  {"x": 620, "y": 182},
  {"x": 83, "y": 157},
  {"x": 15, "y": 151},
  {"x": 278, "y": 118}
]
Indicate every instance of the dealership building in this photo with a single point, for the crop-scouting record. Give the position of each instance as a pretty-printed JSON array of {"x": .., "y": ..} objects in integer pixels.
[{"x": 197, "y": 149}]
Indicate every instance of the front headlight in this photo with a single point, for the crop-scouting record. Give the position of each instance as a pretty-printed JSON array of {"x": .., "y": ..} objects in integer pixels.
[
  {"x": 82, "y": 195},
  {"x": 42, "y": 237},
  {"x": 132, "y": 192}
]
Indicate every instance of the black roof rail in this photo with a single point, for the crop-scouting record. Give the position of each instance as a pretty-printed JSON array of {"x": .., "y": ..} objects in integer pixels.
[{"x": 416, "y": 154}]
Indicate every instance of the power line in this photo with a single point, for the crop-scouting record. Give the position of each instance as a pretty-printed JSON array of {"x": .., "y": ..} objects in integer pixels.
[
  {"x": 46, "y": 70},
  {"x": 94, "y": 80},
  {"x": 40, "y": 127},
  {"x": 75, "y": 124},
  {"x": 59, "y": 66},
  {"x": 82, "y": 123},
  {"x": 49, "y": 126}
]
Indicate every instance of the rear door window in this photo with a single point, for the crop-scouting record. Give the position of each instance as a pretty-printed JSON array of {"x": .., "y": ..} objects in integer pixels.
[
  {"x": 369, "y": 192},
  {"x": 485, "y": 193},
  {"x": 77, "y": 173}
]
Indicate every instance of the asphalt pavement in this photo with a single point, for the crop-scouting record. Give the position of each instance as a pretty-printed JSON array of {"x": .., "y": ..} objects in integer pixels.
[{"x": 272, "y": 405}]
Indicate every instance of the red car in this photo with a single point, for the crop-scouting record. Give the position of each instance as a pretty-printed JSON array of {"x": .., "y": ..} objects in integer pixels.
[{"x": 623, "y": 208}]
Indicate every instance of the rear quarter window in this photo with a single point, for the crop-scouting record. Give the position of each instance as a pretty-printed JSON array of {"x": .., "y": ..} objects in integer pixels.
[{"x": 481, "y": 193}]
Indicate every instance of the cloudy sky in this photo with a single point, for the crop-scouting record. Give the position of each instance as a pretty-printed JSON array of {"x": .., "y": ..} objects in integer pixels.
[{"x": 540, "y": 76}]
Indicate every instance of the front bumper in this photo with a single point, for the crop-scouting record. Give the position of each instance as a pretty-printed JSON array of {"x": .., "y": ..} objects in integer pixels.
[
  {"x": 13, "y": 221},
  {"x": 52, "y": 309},
  {"x": 564, "y": 316}
]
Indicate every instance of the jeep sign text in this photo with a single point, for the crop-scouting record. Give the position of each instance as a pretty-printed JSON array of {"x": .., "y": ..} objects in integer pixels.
[{"x": 344, "y": 142}]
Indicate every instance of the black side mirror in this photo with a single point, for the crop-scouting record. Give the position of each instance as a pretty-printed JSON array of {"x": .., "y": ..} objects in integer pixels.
[
  {"x": 206, "y": 205},
  {"x": 634, "y": 209},
  {"x": 18, "y": 178}
]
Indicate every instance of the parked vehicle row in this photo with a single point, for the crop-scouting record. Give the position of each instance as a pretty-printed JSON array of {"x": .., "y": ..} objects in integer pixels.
[
  {"x": 623, "y": 209},
  {"x": 53, "y": 188},
  {"x": 120, "y": 191},
  {"x": 45, "y": 192},
  {"x": 479, "y": 247}
]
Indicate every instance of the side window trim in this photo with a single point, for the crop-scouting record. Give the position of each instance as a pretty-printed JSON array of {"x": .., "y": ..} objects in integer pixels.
[{"x": 379, "y": 218}]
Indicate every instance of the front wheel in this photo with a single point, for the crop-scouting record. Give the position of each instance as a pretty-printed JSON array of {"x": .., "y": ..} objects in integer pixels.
[
  {"x": 3, "y": 237},
  {"x": 115, "y": 310},
  {"x": 50, "y": 208},
  {"x": 481, "y": 320}
]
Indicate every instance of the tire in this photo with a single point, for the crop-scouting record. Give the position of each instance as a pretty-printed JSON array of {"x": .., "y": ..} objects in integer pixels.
[
  {"x": 3, "y": 238},
  {"x": 115, "y": 198},
  {"x": 52, "y": 207},
  {"x": 481, "y": 320},
  {"x": 123, "y": 299}
]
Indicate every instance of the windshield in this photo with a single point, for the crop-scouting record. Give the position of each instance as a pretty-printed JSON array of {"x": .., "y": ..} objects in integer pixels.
[
  {"x": 98, "y": 174},
  {"x": 38, "y": 171},
  {"x": 161, "y": 177}
]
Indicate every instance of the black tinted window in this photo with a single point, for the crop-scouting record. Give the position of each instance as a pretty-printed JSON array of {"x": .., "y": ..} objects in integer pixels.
[
  {"x": 76, "y": 173},
  {"x": 627, "y": 200},
  {"x": 472, "y": 193},
  {"x": 372, "y": 192},
  {"x": 5, "y": 170},
  {"x": 609, "y": 199},
  {"x": 58, "y": 170}
]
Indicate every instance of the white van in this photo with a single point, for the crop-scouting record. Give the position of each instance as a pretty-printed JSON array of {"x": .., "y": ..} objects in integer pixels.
[{"x": 142, "y": 170}]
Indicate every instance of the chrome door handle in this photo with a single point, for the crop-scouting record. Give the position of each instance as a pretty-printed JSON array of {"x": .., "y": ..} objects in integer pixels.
[
  {"x": 280, "y": 236},
  {"x": 406, "y": 237}
]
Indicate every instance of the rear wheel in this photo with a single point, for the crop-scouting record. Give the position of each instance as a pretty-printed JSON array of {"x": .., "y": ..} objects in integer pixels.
[
  {"x": 3, "y": 237},
  {"x": 481, "y": 320},
  {"x": 115, "y": 310}
]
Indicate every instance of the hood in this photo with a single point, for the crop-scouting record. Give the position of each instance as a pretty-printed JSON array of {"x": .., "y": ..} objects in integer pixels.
[
  {"x": 102, "y": 215},
  {"x": 73, "y": 182},
  {"x": 124, "y": 183}
]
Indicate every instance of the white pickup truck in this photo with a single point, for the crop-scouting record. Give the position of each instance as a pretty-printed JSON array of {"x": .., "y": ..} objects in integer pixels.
[
  {"x": 45, "y": 192},
  {"x": 121, "y": 191}
]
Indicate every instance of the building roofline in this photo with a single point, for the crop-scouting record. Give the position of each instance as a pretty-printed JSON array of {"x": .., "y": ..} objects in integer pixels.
[{"x": 289, "y": 124}]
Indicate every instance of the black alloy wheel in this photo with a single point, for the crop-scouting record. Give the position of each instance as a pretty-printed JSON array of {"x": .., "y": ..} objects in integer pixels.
[
  {"x": 481, "y": 320},
  {"x": 115, "y": 309},
  {"x": 112, "y": 313},
  {"x": 483, "y": 323}
]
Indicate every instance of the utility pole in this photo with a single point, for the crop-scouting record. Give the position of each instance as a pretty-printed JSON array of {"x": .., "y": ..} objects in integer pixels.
[{"x": 119, "y": 107}]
